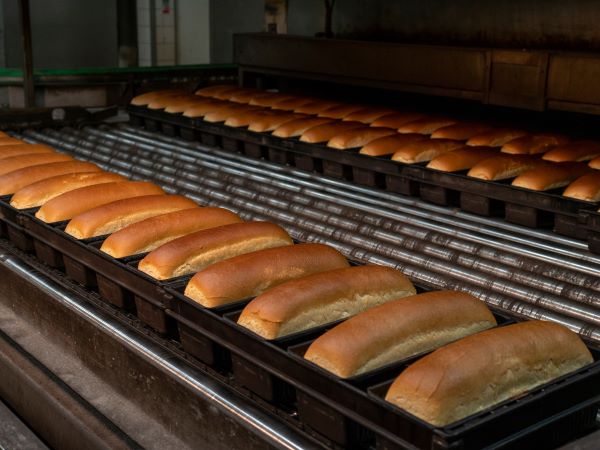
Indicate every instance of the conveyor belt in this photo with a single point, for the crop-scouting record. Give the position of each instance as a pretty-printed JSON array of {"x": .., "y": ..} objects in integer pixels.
[{"x": 530, "y": 273}]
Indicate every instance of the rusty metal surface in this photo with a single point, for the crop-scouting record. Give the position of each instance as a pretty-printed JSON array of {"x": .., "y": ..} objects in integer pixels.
[
  {"x": 157, "y": 400},
  {"x": 16, "y": 435},
  {"x": 529, "y": 273}
]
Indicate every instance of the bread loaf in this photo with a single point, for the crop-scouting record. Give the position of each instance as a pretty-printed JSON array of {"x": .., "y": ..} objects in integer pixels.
[
  {"x": 316, "y": 107},
  {"x": 38, "y": 193},
  {"x": 461, "y": 131},
  {"x": 299, "y": 126},
  {"x": 322, "y": 298},
  {"x": 426, "y": 125},
  {"x": 396, "y": 120},
  {"x": 269, "y": 99},
  {"x": 585, "y": 188},
  {"x": 18, "y": 179},
  {"x": 201, "y": 109},
  {"x": 574, "y": 151},
  {"x": 70, "y": 204},
  {"x": 496, "y": 137},
  {"x": 106, "y": 219},
  {"x": 3, "y": 134},
  {"x": 181, "y": 104},
  {"x": 252, "y": 274},
  {"x": 340, "y": 111},
  {"x": 194, "y": 252},
  {"x": 222, "y": 114},
  {"x": 504, "y": 166},
  {"x": 397, "y": 330},
  {"x": 243, "y": 118},
  {"x": 595, "y": 163},
  {"x": 426, "y": 150},
  {"x": 290, "y": 104},
  {"x": 462, "y": 158},
  {"x": 22, "y": 161},
  {"x": 11, "y": 141},
  {"x": 271, "y": 122},
  {"x": 148, "y": 97},
  {"x": 369, "y": 115},
  {"x": 244, "y": 96},
  {"x": 390, "y": 144},
  {"x": 551, "y": 176},
  {"x": 163, "y": 102},
  {"x": 210, "y": 91},
  {"x": 8, "y": 151},
  {"x": 484, "y": 369},
  {"x": 322, "y": 133},
  {"x": 231, "y": 94},
  {"x": 358, "y": 137},
  {"x": 534, "y": 143},
  {"x": 149, "y": 234}
]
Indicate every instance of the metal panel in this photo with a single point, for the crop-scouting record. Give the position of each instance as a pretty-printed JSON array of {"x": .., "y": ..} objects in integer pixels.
[
  {"x": 573, "y": 82},
  {"x": 452, "y": 71}
]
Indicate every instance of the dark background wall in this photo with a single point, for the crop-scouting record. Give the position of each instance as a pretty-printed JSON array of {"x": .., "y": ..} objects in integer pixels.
[{"x": 65, "y": 33}]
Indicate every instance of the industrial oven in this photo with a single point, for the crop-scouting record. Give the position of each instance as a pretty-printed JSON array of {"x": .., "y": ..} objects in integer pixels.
[{"x": 103, "y": 348}]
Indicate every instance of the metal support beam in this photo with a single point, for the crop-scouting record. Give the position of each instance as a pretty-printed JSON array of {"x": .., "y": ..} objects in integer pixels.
[{"x": 28, "y": 87}]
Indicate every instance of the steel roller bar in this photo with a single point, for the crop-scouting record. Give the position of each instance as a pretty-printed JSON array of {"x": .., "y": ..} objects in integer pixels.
[{"x": 283, "y": 216}]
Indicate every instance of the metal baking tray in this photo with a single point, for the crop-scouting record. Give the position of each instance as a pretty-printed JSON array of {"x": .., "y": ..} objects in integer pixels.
[
  {"x": 12, "y": 227},
  {"x": 591, "y": 219}
]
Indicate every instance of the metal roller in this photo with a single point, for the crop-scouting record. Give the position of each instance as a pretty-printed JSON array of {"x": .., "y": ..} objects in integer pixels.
[{"x": 310, "y": 218}]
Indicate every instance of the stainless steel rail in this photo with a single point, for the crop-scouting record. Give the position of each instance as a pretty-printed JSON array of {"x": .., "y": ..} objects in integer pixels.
[
  {"x": 534, "y": 278},
  {"x": 274, "y": 432}
]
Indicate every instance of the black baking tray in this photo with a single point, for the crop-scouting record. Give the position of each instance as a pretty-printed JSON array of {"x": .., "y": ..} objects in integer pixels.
[
  {"x": 118, "y": 280},
  {"x": 12, "y": 227},
  {"x": 591, "y": 219},
  {"x": 363, "y": 416}
]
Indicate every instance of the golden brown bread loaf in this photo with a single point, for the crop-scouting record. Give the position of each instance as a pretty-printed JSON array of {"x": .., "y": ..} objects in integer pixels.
[
  {"x": 425, "y": 150},
  {"x": 299, "y": 126},
  {"x": 38, "y": 193},
  {"x": 595, "y": 163},
  {"x": 252, "y": 274},
  {"x": 426, "y": 125},
  {"x": 13, "y": 181},
  {"x": 230, "y": 94},
  {"x": 149, "y": 234},
  {"x": 269, "y": 99},
  {"x": 462, "y": 158},
  {"x": 322, "y": 298},
  {"x": 585, "y": 188},
  {"x": 245, "y": 95},
  {"x": 482, "y": 370},
  {"x": 574, "y": 151},
  {"x": 243, "y": 118},
  {"x": 148, "y": 97},
  {"x": 181, "y": 104},
  {"x": 322, "y": 133},
  {"x": 8, "y": 151},
  {"x": 112, "y": 217},
  {"x": 551, "y": 176},
  {"x": 222, "y": 114},
  {"x": 316, "y": 107},
  {"x": 290, "y": 104},
  {"x": 505, "y": 166},
  {"x": 271, "y": 122},
  {"x": 201, "y": 109},
  {"x": 210, "y": 91},
  {"x": 22, "y": 161},
  {"x": 398, "y": 330},
  {"x": 496, "y": 137},
  {"x": 70, "y": 204},
  {"x": 369, "y": 115},
  {"x": 534, "y": 144},
  {"x": 194, "y": 252},
  {"x": 11, "y": 141},
  {"x": 3, "y": 134},
  {"x": 358, "y": 137},
  {"x": 163, "y": 102},
  {"x": 390, "y": 144},
  {"x": 396, "y": 120},
  {"x": 461, "y": 131},
  {"x": 340, "y": 111}
]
